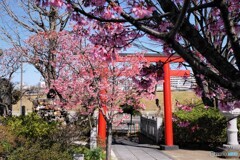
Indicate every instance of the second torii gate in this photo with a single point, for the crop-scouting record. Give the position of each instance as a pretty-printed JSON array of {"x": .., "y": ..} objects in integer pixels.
[{"x": 167, "y": 97}]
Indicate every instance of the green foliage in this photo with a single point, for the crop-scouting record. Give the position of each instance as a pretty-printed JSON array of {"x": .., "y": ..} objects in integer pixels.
[
  {"x": 36, "y": 151},
  {"x": 90, "y": 154},
  {"x": 7, "y": 140},
  {"x": 16, "y": 95},
  {"x": 8, "y": 95},
  {"x": 130, "y": 109},
  {"x": 32, "y": 138},
  {"x": 31, "y": 126},
  {"x": 6, "y": 146},
  {"x": 199, "y": 125}
]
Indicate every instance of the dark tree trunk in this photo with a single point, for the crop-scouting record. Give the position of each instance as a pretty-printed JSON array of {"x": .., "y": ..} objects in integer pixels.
[
  {"x": 203, "y": 84},
  {"x": 131, "y": 124},
  {"x": 109, "y": 141}
]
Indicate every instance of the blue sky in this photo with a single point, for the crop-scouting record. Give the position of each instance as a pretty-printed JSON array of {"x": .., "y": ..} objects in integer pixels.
[{"x": 31, "y": 76}]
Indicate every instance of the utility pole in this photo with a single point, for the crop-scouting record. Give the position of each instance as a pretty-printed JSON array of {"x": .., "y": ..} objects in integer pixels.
[
  {"x": 1, "y": 52},
  {"x": 21, "y": 85}
]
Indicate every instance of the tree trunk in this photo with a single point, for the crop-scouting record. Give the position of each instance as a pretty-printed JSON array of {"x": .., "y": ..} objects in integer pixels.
[
  {"x": 109, "y": 141},
  {"x": 207, "y": 101},
  {"x": 131, "y": 124}
]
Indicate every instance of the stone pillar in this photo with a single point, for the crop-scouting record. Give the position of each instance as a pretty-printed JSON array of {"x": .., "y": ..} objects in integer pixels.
[
  {"x": 232, "y": 130},
  {"x": 159, "y": 126},
  {"x": 93, "y": 133},
  {"x": 93, "y": 138}
]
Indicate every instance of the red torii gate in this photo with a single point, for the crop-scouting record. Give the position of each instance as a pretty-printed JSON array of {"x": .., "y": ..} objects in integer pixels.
[{"x": 167, "y": 97}]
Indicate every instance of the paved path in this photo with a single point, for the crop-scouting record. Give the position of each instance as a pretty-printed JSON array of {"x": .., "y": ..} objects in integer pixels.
[
  {"x": 126, "y": 150},
  {"x": 187, "y": 154}
]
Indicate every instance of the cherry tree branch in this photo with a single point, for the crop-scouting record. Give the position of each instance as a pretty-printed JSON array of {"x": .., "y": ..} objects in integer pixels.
[
  {"x": 180, "y": 19},
  {"x": 202, "y": 6},
  {"x": 203, "y": 69},
  {"x": 229, "y": 26},
  {"x": 91, "y": 16},
  {"x": 190, "y": 33},
  {"x": 14, "y": 16},
  {"x": 143, "y": 27}
]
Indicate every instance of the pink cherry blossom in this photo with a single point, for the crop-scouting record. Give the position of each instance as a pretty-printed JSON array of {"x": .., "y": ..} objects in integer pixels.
[
  {"x": 106, "y": 38},
  {"x": 194, "y": 128},
  {"x": 94, "y": 75},
  {"x": 56, "y": 3},
  {"x": 183, "y": 124},
  {"x": 140, "y": 11}
]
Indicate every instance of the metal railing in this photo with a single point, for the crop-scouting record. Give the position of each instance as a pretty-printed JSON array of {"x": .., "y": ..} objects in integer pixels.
[{"x": 152, "y": 127}]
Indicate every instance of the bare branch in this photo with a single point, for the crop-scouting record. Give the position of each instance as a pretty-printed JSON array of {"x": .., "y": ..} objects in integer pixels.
[
  {"x": 63, "y": 22},
  {"x": 229, "y": 26},
  {"x": 180, "y": 19},
  {"x": 200, "y": 67},
  {"x": 202, "y": 6},
  {"x": 14, "y": 16},
  {"x": 200, "y": 43},
  {"x": 79, "y": 10}
]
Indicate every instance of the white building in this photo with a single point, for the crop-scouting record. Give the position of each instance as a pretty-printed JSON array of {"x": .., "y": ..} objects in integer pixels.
[{"x": 179, "y": 83}]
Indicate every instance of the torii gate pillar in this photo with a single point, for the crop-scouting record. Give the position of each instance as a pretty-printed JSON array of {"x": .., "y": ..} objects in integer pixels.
[
  {"x": 168, "y": 110},
  {"x": 167, "y": 99},
  {"x": 102, "y": 124},
  {"x": 167, "y": 106}
]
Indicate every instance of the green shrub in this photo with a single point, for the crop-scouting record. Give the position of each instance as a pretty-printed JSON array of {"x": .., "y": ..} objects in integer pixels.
[
  {"x": 199, "y": 125},
  {"x": 32, "y": 138},
  {"x": 8, "y": 140},
  {"x": 35, "y": 151},
  {"x": 31, "y": 126},
  {"x": 89, "y": 154}
]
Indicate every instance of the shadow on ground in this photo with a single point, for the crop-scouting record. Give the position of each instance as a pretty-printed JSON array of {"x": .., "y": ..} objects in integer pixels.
[{"x": 140, "y": 141}]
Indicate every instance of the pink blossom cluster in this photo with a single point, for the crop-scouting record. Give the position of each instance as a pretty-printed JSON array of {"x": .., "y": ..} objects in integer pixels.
[
  {"x": 79, "y": 19},
  {"x": 194, "y": 128},
  {"x": 226, "y": 101},
  {"x": 113, "y": 35},
  {"x": 108, "y": 38},
  {"x": 9, "y": 62},
  {"x": 119, "y": 120},
  {"x": 150, "y": 76},
  {"x": 183, "y": 107},
  {"x": 96, "y": 3},
  {"x": 186, "y": 124},
  {"x": 83, "y": 77},
  {"x": 183, "y": 124},
  {"x": 140, "y": 11},
  {"x": 92, "y": 75},
  {"x": 55, "y": 3},
  {"x": 228, "y": 105}
]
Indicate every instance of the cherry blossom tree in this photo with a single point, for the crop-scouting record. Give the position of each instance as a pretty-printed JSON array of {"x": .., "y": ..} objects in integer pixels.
[
  {"x": 22, "y": 18},
  {"x": 94, "y": 76},
  {"x": 203, "y": 32},
  {"x": 9, "y": 62}
]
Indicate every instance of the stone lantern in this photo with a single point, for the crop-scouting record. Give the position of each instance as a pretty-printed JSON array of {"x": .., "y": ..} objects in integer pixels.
[{"x": 232, "y": 130}]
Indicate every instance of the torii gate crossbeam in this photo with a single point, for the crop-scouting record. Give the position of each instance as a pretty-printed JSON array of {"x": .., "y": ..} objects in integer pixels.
[{"x": 167, "y": 97}]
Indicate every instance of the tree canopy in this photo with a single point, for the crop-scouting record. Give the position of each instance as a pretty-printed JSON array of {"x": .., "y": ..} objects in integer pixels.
[
  {"x": 23, "y": 18},
  {"x": 204, "y": 32}
]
